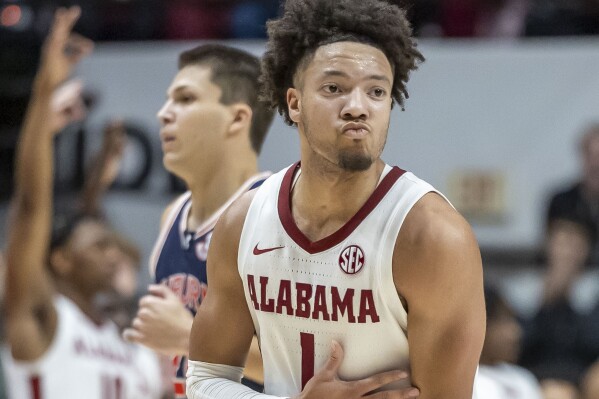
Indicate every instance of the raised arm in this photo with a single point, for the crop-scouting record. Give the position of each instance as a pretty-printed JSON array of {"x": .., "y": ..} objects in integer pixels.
[
  {"x": 30, "y": 315},
  {"x": 104, "y": 167},
  {"x": 437, "y": 270}
]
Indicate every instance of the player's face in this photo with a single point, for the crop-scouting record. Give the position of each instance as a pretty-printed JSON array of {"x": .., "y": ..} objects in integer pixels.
[
  {"x": 193, "y": 122},
  {"x": 342, "y": 105},
  {"x": 125, "y": 276},
  {"x": 567, "y": 247},
  {"x": 88, "y": 251}
]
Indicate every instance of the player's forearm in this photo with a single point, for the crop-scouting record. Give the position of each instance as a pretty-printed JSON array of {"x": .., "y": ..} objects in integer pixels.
[
  {"x": 92, "y": 190},
  {"x": 29, "y": 228},
  {"x": 444, "y": 362},
  {"x": 182, "y": 336},
  {"x": 34, "y": 163},
  {"x": 95, "y": 187},
  {"x": 219, "y": 381}
]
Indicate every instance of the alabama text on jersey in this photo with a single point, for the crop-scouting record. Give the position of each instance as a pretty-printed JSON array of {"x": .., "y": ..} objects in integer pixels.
[{"x": 303, "y": 294}]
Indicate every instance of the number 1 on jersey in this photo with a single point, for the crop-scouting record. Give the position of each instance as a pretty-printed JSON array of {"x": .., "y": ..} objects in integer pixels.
[
  {"x": 112, "y": 387},
  {"x": 307, "y": 344}
]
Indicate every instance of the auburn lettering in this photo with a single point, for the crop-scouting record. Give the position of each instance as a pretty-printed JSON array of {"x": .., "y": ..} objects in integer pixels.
[
  {"x": 313, "y": 302},
  {"x": 188, "y": 288}
]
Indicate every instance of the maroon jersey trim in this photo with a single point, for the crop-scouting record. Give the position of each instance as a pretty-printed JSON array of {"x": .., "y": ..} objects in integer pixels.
[{"x": 284, "y": 208}]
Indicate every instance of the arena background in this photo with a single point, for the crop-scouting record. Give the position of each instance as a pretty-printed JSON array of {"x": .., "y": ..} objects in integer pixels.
[{"x": 492, "y": 123}]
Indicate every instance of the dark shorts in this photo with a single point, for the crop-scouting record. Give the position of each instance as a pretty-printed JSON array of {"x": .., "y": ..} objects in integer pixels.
[{"x": 252, "y": 384}]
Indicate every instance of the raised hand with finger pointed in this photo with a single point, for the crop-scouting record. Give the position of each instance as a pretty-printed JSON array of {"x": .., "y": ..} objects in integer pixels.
[
  {"x": 113, "y": 147},
  {"x": 54, "y": 325},
  {"x": 61, "y": 51},
  {"x": 66, "y": 105}
]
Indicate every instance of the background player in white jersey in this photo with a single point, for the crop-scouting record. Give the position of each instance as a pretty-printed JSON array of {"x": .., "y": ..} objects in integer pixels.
[
  {"x": 212, "y": 129},
  {"x": 61, "y": 345},
  {"x": 341, "y": 247}
]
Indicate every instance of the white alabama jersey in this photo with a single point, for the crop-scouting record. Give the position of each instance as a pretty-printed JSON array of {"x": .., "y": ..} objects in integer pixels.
[
  {"x": 84, "y": 360},
  {"x": 303, "y": 294}
]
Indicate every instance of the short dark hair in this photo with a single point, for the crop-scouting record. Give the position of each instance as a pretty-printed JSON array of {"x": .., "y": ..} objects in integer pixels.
[
  {"x": 236, "y": 72},
  {"x": 309, "y": 24},
  {"x": 64, "y": 225}
]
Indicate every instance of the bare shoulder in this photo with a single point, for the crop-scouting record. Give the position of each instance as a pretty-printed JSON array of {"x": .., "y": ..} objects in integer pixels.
[
  {"x": 167, "y": 211},
  {"x": 227, "y": 231},
  {"x": 170, "y": 208},
  {"x": 437, "y": 272},
  {"x": 433, "y": 223},
  {"x": 435, "y": 244},
  {"x": 234, "y": 215}
]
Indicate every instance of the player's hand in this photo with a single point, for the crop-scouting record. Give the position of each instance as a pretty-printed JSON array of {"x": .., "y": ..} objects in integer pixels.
[
  {"x": 66, "y": 105},
  {"x": 61, "y": 51},
  {"x": 113, "y": 148},
  {"x": 326, "y": 383},
  {"x": 162, "y": 322}
]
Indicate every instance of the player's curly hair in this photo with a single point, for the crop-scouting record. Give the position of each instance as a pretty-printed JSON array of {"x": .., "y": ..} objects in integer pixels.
[{"x": 309, "y": 24}]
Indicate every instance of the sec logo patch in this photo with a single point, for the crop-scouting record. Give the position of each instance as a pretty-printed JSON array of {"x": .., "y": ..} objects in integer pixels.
[{"x": 351, "y": 259}]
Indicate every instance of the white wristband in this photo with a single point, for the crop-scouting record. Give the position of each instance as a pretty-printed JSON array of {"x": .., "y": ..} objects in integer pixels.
[{"x": 218, "y": 381}]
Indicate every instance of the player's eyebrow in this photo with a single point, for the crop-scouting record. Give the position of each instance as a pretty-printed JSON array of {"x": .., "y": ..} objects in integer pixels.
[
  {"x": 174, "y": 90},
  {"x": 335, "y": 72},
  {"x": 177, "y": 88}
]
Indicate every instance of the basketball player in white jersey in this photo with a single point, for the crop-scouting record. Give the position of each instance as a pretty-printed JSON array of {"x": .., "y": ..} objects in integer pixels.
[
  {"x": 346, "y": 268},
  {"x": 61, "y": 346},
  {"x": 212, "y": 129}
]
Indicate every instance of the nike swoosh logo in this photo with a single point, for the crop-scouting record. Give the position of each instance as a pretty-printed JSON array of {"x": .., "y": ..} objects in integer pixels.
[{"x": 258, "y": 251}]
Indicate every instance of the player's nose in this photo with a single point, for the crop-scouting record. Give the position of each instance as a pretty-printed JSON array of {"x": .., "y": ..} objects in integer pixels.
[
  {"x": 165, "y": 114},
  {"x": 356, "y": 105}
]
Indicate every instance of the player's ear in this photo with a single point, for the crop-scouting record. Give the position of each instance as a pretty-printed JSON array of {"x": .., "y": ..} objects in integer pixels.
[
  {"x": 294, "y": 104},
  {"x": 241, "y": 119},
  {"x": 59, "y": 263}
]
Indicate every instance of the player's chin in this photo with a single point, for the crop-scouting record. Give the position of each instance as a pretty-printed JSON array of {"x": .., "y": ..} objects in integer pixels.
[
  {"x": 355, "y": 161},
  {"x": 172, "y": 162}
]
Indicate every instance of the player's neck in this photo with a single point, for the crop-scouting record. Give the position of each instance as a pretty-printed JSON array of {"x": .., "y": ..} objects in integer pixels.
[
  {"x": 84, "y": 302},
  {"x": 213, "y": 191},
  {"x": 324, "y": 200}
]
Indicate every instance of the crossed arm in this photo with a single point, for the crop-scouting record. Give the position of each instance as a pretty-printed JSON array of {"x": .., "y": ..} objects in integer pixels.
[
  {"x": 438, "y": 274},
  {"x": 223, "y": 329},
  {"x": 437, "y": 271}
]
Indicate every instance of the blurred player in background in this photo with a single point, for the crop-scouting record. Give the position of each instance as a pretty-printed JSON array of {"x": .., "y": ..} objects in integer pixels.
[
  {"x": 61, "y": 345},
  {"x": 212, "y": 131}
]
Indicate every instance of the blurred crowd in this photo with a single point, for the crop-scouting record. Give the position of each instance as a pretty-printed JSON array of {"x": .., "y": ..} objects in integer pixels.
[
  {"x": 504, "y": 18},
  {"x": 245, "y": 19},
  {"x": 552, "y": 355}
]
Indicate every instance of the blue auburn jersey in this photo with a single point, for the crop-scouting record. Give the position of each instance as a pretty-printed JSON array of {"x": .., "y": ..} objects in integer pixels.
[{"x": 178, "y": 258}]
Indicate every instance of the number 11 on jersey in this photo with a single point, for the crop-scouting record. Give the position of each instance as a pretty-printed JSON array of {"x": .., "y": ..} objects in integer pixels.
[{"x": 307, "y": 344}]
